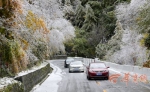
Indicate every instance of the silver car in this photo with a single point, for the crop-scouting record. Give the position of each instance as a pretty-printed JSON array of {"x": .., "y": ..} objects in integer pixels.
[{"x": 76, "y": 66}]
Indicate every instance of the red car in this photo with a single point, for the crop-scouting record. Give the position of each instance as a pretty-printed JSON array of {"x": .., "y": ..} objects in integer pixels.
[{"x": 97, "y": 70}]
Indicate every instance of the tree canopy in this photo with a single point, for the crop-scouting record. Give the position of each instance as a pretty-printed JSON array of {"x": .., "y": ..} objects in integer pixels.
[{"x": 98, "y": 20}]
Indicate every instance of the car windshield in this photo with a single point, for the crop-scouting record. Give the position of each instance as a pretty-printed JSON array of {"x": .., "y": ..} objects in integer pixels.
[
  {"x": 69, "y": 60},
  {"x": 97, "y": 66},
  {"x": 76, "y": 63}
]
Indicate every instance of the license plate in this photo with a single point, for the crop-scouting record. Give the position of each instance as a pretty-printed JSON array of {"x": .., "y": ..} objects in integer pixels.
[{"x": 99, "y": 73}]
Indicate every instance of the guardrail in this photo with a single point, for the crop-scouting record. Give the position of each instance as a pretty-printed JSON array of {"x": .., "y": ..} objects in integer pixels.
[
  {"x": 123, "y": 68},
  {"x": 60, "y": 57}
]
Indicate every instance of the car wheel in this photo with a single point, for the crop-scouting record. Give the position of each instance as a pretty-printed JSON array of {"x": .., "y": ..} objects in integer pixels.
[
  {"x": 107, "y": 78},
  {"x": 67, "y": 66},
  {"x": 69, "y": 71},
  {"x": 88, "y": 78}
]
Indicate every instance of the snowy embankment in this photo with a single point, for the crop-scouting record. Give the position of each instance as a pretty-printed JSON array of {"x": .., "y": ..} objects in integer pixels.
[
  {"x": 51, "y": 83},
  {"x": 6, "y": 81}
]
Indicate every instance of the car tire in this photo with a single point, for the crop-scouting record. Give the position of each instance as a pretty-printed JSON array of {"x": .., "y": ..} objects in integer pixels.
[
  {"x": 81, "y": 71},
  {"x": 107, "y": 78},
  {"x": 88, "y": 78},
  {"x": 69, "y": 71},
  {"x": 67, "y": 66}
]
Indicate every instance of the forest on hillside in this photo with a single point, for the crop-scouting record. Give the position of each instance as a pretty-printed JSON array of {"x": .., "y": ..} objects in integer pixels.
[
  {"x": 112, "y": 30},
  {"x": 31, "y": 31},
  {"x": 95, "y": 23}
]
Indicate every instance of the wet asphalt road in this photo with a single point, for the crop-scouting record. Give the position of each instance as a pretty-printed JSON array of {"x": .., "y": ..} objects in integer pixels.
[{"x": 77, "y": 82}]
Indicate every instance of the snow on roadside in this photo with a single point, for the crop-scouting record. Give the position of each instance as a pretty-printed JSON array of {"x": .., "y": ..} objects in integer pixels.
[
  {"x": 51, "y": 83},
  {"x": 6, "y": 81}
]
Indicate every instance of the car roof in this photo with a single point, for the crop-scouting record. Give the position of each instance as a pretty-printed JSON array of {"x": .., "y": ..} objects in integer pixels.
[{"x": 76, "y": 61}]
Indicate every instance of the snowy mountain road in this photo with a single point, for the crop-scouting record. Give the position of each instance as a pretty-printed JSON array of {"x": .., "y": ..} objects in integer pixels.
[{"x": 77, "y": 82}]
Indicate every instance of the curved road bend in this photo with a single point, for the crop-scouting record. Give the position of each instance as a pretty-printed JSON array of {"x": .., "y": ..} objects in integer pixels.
[{"x": 77, "y": 82}]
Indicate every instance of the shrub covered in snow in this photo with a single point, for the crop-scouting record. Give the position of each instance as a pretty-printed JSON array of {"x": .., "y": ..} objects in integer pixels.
[{"x": 32, "y": 30}]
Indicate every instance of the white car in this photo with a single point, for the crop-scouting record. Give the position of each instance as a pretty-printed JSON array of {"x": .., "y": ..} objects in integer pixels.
[{"x": 76, "y": 66}]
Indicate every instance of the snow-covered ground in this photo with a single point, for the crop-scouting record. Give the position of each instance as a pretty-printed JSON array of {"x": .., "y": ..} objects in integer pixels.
[
  {"x": 6, "y": 81},
  {"x": 51, "y": 83}
]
